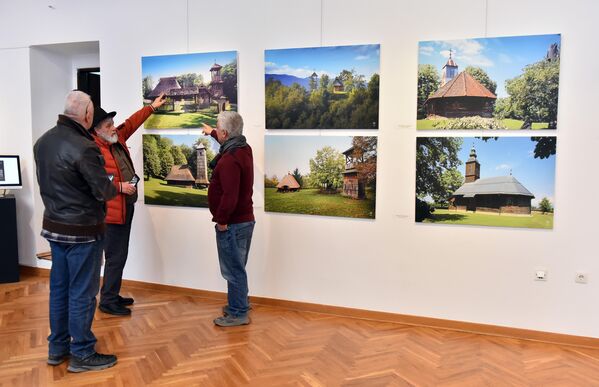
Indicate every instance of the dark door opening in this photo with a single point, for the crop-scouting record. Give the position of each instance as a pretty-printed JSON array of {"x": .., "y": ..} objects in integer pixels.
[{"x": 88, "y": 80}]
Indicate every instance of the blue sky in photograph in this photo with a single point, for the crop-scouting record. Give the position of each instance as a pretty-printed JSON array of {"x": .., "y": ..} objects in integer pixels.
[
  {"x": 283, "y": 154},
  {"x": 190, "y": 139},
  {"x": 302, "y": 62},
  {"x": 173, "y": 65},
  {"x": 502, "y": 58},
  {"x": 515, "y": 154}
]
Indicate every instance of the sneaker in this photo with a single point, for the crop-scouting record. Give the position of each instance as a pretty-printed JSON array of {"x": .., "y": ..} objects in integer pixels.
[
  {"x": 115, "y": 309},
  {"x": 125, "y": 301},
  {"x": 55, "y": 360},
  {"x": 230, "y": 321},
  {"x": 94, "y": 362}
]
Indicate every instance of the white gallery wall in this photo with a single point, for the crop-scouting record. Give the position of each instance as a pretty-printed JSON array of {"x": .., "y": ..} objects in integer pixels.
[{"x": 476, "y": 274}]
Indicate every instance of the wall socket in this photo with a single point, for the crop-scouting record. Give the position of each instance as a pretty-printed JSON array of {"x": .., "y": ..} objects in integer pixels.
[
  {"x": 581, "y": 277},
  {"x": 541, "y": 275}
]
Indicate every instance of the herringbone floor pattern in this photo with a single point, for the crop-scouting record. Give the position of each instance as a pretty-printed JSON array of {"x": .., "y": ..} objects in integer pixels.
[{"x": 170, "y": 340}]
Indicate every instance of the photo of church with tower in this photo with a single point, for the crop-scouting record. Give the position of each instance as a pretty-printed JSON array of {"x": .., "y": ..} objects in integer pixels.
[
  {"x": 192, "y": 98},
  {"x": 489, "y": 83},
  {"x": 176, "y": 169},
  {"x": 486, "y": 181},
  {"x": 496, "y": 195},
  {"x": 196, "y": 86},
  {"x": 460, "y": 95}
]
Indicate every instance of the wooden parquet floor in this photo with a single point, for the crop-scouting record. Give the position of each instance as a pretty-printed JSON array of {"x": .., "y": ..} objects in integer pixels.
[{"x": 170, "y": 340}]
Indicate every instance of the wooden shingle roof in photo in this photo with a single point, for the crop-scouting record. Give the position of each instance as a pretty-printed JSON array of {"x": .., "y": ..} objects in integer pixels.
[
  {"x": 500, "y": 185},
  {"x": 463, "y": 85},
  {"x": 164, "y": 86},
  {"x": 289, "y": 182},
  {"x": 180, "y": 173}
]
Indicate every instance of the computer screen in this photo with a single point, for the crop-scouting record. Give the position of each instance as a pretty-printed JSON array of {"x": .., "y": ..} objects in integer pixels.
[{"x": 10, "y": 172}]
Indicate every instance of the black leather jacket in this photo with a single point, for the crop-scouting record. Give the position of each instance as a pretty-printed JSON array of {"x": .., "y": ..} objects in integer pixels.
[{"x": 73, "y": 182}]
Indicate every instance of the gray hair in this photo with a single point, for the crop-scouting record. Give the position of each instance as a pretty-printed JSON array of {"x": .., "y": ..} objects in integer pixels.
[
  {"x": 231, "y": 122},
  {"x": 76, "y": 103}
]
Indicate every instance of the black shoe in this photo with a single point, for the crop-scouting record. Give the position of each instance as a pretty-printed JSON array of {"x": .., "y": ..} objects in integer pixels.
[
  {"x": 55, "y": 360},
  {"x": 116, "y": 309},
  {"x": 125, "y": 301},
  {"x": 94, "y": 362}
]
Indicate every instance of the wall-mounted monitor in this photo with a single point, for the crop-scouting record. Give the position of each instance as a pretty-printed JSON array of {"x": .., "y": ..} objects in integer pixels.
[{"x": 10, "y": 172}]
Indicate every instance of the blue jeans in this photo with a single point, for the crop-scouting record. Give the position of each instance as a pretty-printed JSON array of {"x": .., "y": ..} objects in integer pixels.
[
  {"x": 233, "y": 248},
  {"x": 74, "y": 283}
]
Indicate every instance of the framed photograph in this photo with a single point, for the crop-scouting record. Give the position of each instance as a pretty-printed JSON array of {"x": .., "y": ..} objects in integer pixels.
[
  {"x": 323, "y": 87},
  {"x": 176, "y": 171},
  {"x": 321, "y": 175},
  {"x": 489, "y": 181},
  {"x": 489, "y": 83},
  {"x": 197, "y": 87}
]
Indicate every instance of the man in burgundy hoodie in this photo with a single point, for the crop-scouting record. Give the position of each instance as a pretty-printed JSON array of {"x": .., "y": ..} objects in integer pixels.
[{"x": 230, "y": 202}]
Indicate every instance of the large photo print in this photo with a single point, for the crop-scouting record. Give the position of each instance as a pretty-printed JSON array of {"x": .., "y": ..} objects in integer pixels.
[
  {"x": 176, "y": 169},
  {"x": 490, "y": 83},
  {"x": 321, "y": 175},
  {"x": 323, "y": 87},
  {"x": 196, "y": 86},
  {"x": 489, "y": 181}
]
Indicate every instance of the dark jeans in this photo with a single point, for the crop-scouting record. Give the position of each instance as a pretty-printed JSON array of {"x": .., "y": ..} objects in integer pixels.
[
  {"x": 233, "y": 248},
  {"x": 115, "y": 255},
  {"x": 74, "y": 283}
]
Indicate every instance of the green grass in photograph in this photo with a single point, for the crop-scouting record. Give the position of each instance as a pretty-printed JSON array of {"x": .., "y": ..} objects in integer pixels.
[
  {"x": 509, "y": 123},
  {"x": 156, "y": 191},
  {"x": 160, "y": 120},
  {"x": 311, "y": 202},
  {"x": 537, "y": 220}
]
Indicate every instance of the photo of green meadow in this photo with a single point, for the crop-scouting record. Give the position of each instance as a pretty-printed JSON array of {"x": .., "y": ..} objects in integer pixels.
[
  {"x": 503, "y": 83},
  {"x": 318, "y": 175}
]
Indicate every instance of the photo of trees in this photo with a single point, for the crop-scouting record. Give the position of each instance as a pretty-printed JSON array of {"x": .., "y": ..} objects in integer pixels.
[
  {"x": 318, "y": 175},
  {"x": 176, "y": 169},
  {"x": 489, "y": 83},
  {"x": 197, "y": 87},
  {"x": 486, "y": 181},
  {"x": 323, "y": 87}
]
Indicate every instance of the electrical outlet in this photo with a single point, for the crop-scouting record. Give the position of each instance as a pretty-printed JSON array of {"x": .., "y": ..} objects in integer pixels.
[
  {"x": 541, "y": 275},
  {"x": 581, "y": 277}
]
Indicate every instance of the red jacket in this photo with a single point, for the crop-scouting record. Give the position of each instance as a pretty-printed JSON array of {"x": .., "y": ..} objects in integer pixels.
[
  {"x": 115, "y": 208},
  {"x": 231, "y": 187}
]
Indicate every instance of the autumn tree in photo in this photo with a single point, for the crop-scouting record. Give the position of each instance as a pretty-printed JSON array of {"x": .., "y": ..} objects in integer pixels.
[{"x": 365, "y": 154}]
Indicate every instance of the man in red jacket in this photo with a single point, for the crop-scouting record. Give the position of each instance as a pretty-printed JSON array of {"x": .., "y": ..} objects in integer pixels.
[
  {"x": 230, "y": 202},
  {"x": 112, "y": 143}
]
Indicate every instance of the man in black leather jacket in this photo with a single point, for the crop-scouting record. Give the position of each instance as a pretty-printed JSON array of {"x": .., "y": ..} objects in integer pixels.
[{"x": 74, "y": 187}]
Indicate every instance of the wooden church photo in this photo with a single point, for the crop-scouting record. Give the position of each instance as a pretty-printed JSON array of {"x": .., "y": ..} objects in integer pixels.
[
  {"x": 489, "y": 83},
  {"x": 489, "y": 181},
  {"x": 176, "y": 169},
  {"x": 197, "y": 87}
]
